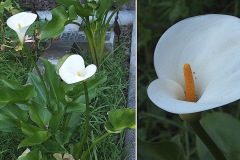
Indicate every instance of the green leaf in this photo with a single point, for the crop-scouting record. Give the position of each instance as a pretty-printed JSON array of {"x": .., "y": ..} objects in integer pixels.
[
  {"x": 91, "y": 94},
  {"x": 75, "y": 107},
  {"x": 72, "y": 14},
  {"x": 40, "y": 115},
  {"x": 63, "y": 137},
  {"x": 76, "y": 90},
  {"x": 61, "y": 61},
  {"x": 167, "y": 150},
  {"x": 14, "y": 112},
  {"x": 32, "y": 155},
  {"x": 104, "y": 7},
  {"x": 10, "y": 95},
  {"x": 36, "y": 82},
  {"x": 7, "y": 5},
  {"x": 12, "y": 84},
  {"x": 92, "y": 4},
  {"x": 120, "y": 119},
  {"x": 56, "y": 26},
  {"x": 79, "y": 8},
  {"x": 56, "y": 121},
  {"x": 9, "y": 125},
  {"x": 37, "y": 138},
  {"x": 53, "y": 81},
  {"x": 74, "y": 120},
  {"x": 51, "y": 146},
  {"x": 224, "y": 130},
  {"x": 81, "y": 11},
  {"x": 29, "y": 129}
]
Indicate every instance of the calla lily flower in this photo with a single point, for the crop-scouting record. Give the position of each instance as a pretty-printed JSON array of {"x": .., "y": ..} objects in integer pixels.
[
  {"x": 20, "y": 23},
  {"x": 24, "y": 153},
  {"x": 73, "y": 70},
  {"x": 66, "y": 156},
  {"x": 211, "y": 45}
]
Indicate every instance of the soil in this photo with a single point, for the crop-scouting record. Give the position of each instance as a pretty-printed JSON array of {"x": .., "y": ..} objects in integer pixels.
[{"x": 41, "y": 5}]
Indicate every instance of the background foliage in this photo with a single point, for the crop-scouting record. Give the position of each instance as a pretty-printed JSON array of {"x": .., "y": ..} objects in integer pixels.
[{"x": 154, "y": 124}]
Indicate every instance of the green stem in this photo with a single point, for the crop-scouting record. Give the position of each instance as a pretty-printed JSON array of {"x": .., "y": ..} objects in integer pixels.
[
  {"x": 186, "y": 137},
  {"x": 41, "y": 78},
  {"x": 84, "y": 137},
  {"x": 86, "y": 153},
  {"x": 206, "y": 139},
  {"x": 92, "y": 45}
]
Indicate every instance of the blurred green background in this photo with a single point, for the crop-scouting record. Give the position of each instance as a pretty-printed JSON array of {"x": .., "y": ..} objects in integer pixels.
[{"x": 154, "y": 124}]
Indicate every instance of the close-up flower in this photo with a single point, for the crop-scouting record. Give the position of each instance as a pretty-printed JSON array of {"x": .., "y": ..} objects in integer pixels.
[
  {"x": 210, "y": 45},
  {"x": 20, "y": 23},
  {"x": 73, "y": 70}
]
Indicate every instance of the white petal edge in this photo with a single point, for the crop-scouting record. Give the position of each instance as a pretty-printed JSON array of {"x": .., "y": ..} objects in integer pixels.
[
  {"x": 209, "y": 43},
  {"x": 73, "y": 64},
  {"x": 91, "y": 70},
  {"x": 169, "y": 96},
  {"x": 24, "y": 18},
  {"x": 70, "y": 78}
]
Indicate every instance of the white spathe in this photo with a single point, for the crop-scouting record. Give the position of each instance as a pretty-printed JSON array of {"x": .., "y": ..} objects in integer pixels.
[
  {"x": 24, "y": 153},
  {"x": 211, "y": 45},
  {"x": 73, "y": 69},
  {"x": 20, "y": 23},
  {"x": 66, "y": 156}
]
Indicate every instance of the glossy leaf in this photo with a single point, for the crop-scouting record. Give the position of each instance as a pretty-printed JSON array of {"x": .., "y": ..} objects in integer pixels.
[
  {"x": 63, "y": 137},
  {"x": 75, "y": 107},
  {"x": 167, "y": 150},
  {"x": 40, "y": 115},
  {"x": 53, "y": 81},
  {"x": 29, "y": 129},
  {"x": 9, "y": 95},
  {"x": 74, "y": 120},
  {"x": 9, "y": 125},
  {"x": 92, "y": 4},
  {"x": 32, "y": 155},
  {"x": 36, "y": 82},
  {"x": 104, "y": 8},
  {"x": 56, "y": 121},
  {"x": 91, "y": 94},
  {"x": 12, "y": 84},
  {"x": 51, "y": 146},
  {"x": 120, "y": 119},
  {"x": 83, "y": 11},
  {"x": 14, "y": 112},
  {"x": 224, "y": 130},
  {"x": 56, "y": 26},
  {"x": 77, "y": 90},
  {"x": 72, "y": 14},
  {"x": 37, "y": 138}
]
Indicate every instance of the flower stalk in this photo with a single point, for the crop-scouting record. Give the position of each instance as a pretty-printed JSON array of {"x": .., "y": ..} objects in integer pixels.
[
  {"x": 193, "y": 118},
  {"x": 207, "y": 140},
  {"x": 86, "y": 153},
  {"x": 84, "y": 137}
]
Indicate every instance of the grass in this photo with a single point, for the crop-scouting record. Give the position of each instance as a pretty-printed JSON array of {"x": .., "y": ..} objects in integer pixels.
[
  {"x": 111, "y": 95},
  {"x": 12, "y": 67}
]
